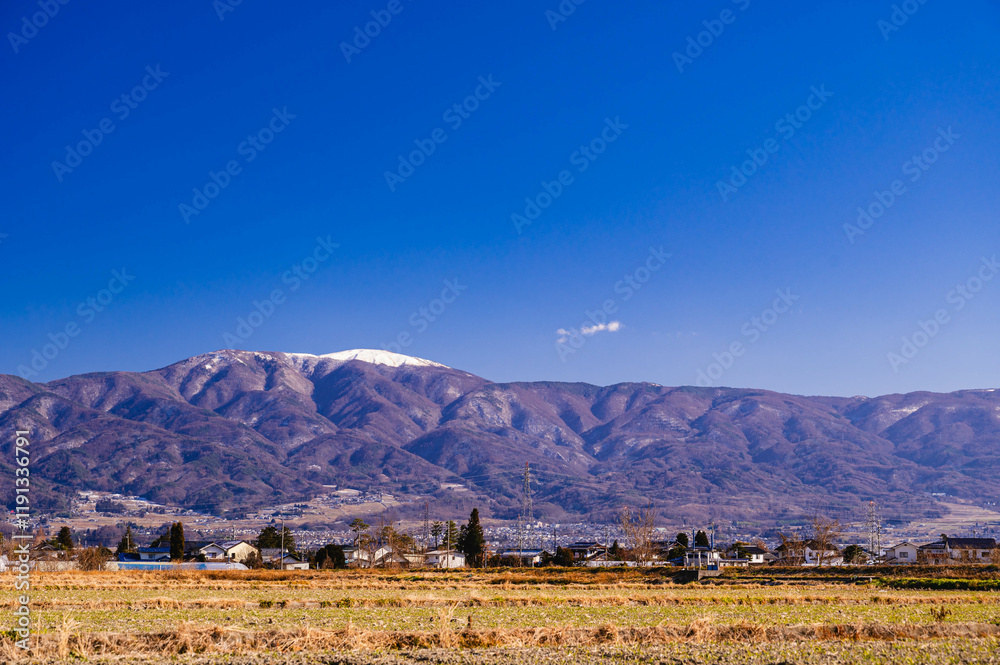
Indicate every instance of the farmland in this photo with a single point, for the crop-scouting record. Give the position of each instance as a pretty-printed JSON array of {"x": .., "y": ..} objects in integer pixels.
[{"x": 511, "y": 616}]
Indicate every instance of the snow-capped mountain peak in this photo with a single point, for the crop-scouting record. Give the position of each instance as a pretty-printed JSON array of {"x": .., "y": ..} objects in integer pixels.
[{"x": 375, "y": 357}]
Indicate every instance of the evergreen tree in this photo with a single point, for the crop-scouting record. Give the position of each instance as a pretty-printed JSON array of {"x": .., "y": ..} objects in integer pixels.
[
  {"x": 65, "y": 539},
  {"x": 331, "y": 556},
  {"x": 127, "y": 543},
  {"x": 473, "y": 542},
  {"x": 451, "y": 535},
  {"x": 177, "y": 541},
  {"x": 615, "y": 552},
  {"x": 682, "y": 540},
  {"x": 437, "y": 530},
  {"x": 271, "y": 538},
  {"x": 701, "y": 539},
  {"x": 563, "y": 557},
  {"x": 359, "y": 527}
]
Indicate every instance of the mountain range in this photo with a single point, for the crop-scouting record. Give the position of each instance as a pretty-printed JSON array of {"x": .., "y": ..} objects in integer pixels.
[{"x": 234, "y": 430}]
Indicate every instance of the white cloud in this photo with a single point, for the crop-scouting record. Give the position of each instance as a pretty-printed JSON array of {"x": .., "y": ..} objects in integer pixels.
[{"x": 588, "y": 331}]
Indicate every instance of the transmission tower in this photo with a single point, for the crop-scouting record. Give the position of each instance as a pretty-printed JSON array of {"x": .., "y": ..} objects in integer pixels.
[
  {"x": 525, "y": 517},
  {"x": 427, "y": 525},
  {"x": 874, "y": 521},
  {"x": 527, "y": 493}
]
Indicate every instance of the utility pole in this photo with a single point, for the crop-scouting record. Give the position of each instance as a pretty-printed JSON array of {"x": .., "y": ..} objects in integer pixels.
[{"x": 282, "y": 544}]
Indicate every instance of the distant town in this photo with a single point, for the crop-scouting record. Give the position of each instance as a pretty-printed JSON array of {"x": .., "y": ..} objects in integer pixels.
[{"x": 117, "y": 532}]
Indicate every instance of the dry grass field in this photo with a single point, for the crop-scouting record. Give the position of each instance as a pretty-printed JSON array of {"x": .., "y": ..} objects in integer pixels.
[{"x": 511, "y": 616}]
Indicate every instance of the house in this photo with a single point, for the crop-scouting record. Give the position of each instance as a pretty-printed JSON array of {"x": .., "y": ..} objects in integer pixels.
[
  {"x": 283, "y": 560},
  {"x": 237, "y": 550},
  {"x": 445, "y": 559},
  {"x": 154, "y": 553},
  {"x": 958, "y": 550},
  {"x": 702, "y": 556},
  {"x": 749, "y": 553},
  {"x": 585, "y": 550},
  {"x": 210, "y": 550},
  {"x": 527, "y": 557},
  {"x": 46, "y": 551},
  {"x": 355, "y": 557},
  {"x": 905, "y": 552},
  {"x": 386, "y": 556},
  {"x": 4, "y": 563},
  {"x": 830, "y": 555}
]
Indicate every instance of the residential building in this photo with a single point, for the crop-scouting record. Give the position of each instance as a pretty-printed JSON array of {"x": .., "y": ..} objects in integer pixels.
[
  {"x": 154, "y": 553},
  {"x": 237, "y": 550},
  {"x": 958, "y": 550},
  {"x": 283, "y": 560},
  {"x": 445, "y": 559},
  {"x": 905, "y": 552}
]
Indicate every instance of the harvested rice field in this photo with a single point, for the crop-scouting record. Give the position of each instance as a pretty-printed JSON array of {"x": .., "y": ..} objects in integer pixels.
[{"x": 512, "y": 616}]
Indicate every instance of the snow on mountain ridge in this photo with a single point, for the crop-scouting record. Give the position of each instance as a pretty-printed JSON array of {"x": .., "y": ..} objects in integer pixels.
[{"x": 375, "y": 357}]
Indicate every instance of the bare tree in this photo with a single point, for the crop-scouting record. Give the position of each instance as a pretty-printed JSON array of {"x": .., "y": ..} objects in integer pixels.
[
  {"x": 638, "y": 528},
  {"x": 93, "y": 558},
  {"x": 825, "y": 533},
  {"x": 793, "y": 549}
]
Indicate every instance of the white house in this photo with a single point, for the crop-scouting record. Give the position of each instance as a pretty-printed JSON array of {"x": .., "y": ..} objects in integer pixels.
[
  {"x": 831, "y": 555},
  {"x": 287, "y": 562},
  {"x": 750, "y": 553},
  {"x": 237, "y": 550},
  {"x": 702, "y": 556},
  {"x": 905, "y": 552},
  {"x": 210, "y": 550},
  {"x": 356, "y": 557},
  {"x": 386, "y": 556},
  {"x": 528, "y": 557},
  {"x": 445, "y": 559},
  {"x": 954, "y": 550}
]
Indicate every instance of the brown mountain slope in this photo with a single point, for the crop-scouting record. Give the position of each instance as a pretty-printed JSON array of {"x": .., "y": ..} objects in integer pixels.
[{"x": 234, "y": 429}]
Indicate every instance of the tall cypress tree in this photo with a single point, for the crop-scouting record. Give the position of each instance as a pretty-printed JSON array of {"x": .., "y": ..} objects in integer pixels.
[
  {"x": 177, "y": 541},
  {"x": 474, "y": 543}
]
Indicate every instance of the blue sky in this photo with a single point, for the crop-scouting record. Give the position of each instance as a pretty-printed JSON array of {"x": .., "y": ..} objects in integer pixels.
[{"x": 199, "y": 90}]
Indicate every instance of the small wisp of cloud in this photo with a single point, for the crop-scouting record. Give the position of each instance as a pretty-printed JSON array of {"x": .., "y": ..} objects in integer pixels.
[{"x": 587, "y": 331}]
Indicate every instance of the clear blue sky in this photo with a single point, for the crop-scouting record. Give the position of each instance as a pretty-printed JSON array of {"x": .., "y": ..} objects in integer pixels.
[{"x": 552, "y": 91}]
